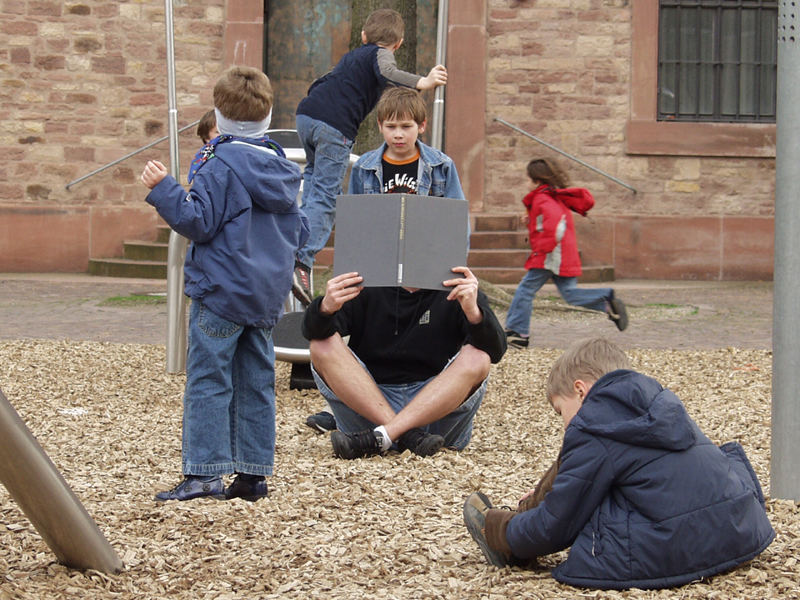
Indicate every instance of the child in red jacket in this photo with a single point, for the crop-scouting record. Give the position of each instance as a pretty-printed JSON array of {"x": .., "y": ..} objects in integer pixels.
[{"x": 554, "y": 252}]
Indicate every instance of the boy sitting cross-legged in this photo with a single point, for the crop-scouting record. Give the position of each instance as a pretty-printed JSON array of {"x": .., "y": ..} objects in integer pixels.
[{"x": 415, "y": 371}]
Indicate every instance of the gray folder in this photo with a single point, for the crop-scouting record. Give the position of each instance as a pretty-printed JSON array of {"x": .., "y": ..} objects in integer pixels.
[{"x": 400, "y": 239}]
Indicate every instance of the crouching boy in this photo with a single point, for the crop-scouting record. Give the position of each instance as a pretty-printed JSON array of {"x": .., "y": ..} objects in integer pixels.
[{"x": 640, "y": 494}]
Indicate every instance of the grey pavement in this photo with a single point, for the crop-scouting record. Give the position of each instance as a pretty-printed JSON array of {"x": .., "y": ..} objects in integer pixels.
[{"x": 664, "y": 314}]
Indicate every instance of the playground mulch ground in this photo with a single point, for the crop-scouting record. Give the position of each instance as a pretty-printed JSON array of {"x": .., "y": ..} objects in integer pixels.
[{"x": 88, "y": 379}]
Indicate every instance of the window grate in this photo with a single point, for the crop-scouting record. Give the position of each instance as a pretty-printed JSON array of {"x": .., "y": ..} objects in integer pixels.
[{"x": 717, "y": 60}]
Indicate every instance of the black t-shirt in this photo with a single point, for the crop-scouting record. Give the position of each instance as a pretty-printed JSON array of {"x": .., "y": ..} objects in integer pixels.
[
  {"x": 405, "y": 337},
  {"x": 400, "y": 177}
]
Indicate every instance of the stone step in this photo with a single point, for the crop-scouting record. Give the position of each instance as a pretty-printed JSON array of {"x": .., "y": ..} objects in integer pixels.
[
  {"x": 122, "y": 267},
  {"x": 498, "y": 250},
  {"x": 498, "y": 240},
  {"x": 162, "y": 235},
  {"x": 496, "y": 222},
  {"x": 497, "y": 258},
  {"x": 512, "y": 276},
  {"x": 141, "y": 250}
]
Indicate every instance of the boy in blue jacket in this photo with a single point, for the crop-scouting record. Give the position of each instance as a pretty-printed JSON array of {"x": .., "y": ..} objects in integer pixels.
[
  {"x": 328, "y": 119},
  {"x": 245, "y": 227},
  {"x": 640, "y": 494}
]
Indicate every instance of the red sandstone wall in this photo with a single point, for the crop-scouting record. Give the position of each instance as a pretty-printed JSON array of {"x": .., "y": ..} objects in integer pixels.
[
  {"x": 83, "y": 84},
  {"x": 567, "y": 73}
]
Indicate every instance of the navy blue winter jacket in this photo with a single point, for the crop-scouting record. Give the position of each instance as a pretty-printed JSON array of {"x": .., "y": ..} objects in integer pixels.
[
  {"x": 644, "y": 498},
  {"x": 343, "y": 97},
  {"x": 242, "y": 217}
]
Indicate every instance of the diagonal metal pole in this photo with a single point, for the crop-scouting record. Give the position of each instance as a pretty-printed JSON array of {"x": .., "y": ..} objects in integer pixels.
[
  {"x": 37, "y": 486},
  {"x": 127, "y": 156},
  {"x": 785, "y": 453},
  {"x": 560, "y": 151},
  {"x": 176, "y": 250}
]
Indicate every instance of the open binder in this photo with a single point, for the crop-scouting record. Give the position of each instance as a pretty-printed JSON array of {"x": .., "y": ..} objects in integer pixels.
[{"x": 400, "y": 239}]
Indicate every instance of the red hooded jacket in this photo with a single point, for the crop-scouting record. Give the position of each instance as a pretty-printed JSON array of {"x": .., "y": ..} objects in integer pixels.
[{"x": 551, "y": 231}]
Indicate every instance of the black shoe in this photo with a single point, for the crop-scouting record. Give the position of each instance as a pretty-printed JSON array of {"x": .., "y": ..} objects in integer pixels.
[
  {"x": 356, "y": 445},
  {"x": 516, "y": 340},
  {"x": 322, "y": 422},
  {"x": 475, "y": 508},
  {"x": 194, "y": 487},
  {"x": 247, "y": 487},
  {"x": 420, "y": 442},
  {"x": 618, "y": 313},
  {"x": 301, "y": 283}
]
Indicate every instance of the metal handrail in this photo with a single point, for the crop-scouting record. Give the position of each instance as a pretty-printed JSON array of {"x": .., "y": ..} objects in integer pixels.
[
  {"x": 577, "y": 160},
  {"x": 129, "y": 155}
]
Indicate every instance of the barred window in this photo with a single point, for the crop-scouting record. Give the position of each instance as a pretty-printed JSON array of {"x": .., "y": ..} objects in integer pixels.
[{"x": 717, "y": 60}]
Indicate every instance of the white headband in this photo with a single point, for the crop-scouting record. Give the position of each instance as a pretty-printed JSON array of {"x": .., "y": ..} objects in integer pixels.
[{"x": 247, "y": 129}]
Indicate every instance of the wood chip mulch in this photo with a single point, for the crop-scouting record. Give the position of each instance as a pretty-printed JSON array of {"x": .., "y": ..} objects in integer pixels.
[{"x": 388, "y": 527}]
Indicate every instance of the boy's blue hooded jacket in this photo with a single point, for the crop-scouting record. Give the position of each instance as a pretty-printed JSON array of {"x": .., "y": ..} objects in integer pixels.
[
  {"x": 242, "y": 217},
  {"x": 642, "y": 496}
]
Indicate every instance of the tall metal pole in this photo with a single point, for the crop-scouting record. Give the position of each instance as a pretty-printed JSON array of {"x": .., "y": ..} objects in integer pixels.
[
  {"x": 785, "y": 463},
  {"x": 176, "y": 250},
  {"x": 437, "y": 119}
]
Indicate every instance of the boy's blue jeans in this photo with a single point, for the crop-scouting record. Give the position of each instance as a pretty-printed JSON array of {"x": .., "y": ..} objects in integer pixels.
[
  {"x": 455, "y": 428},
  {"x": 519, "y": 313},
  {"x": 229, "y": 402},
  {"x": 327, "y": 157}
]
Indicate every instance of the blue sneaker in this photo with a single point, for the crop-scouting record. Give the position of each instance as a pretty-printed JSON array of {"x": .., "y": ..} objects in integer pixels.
[
  {"x": 247, "y": 487},
  {"x": 192, "y": 487}
]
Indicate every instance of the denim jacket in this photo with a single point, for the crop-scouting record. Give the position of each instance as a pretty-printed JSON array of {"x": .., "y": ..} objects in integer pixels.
[{"x": 437, "y": 174}]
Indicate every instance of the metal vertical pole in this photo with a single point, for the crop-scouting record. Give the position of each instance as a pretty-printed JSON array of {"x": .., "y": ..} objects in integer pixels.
[
  {"x": 437, "y": 119},
  {"x": 785, "y": 463},
  {"x": 176, "y": 250}
]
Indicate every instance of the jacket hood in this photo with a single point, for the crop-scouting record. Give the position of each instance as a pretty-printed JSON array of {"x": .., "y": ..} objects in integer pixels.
[
  {"x": 632, "y": 408},
  {"x": 271, "y": 180},
  {"x": 576, "y": 199}
]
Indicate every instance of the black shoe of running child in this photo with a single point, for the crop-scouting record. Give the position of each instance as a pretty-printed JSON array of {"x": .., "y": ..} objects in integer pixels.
[
  {"x": 247, "y": 487},
  {"x": 322, "y": 422},
  {"x": 475, "y": 508},
  {"x": 515, "y": 340},
  {"x": 618, "y": 313},
  {"x": 301, "y": 283},
  {"x": 420, "y": 442},
  {"x": 356, "y": 445}
]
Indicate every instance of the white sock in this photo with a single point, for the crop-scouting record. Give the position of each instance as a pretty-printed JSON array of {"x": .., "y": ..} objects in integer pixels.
[{"x": 386, "y": 441}]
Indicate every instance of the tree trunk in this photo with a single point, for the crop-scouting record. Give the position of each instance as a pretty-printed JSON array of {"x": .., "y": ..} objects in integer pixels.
[{"x": 369, "y": 136}]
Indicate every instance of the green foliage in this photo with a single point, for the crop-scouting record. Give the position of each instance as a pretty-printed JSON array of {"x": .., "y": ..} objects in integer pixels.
[{"x": 135, "y": 300}]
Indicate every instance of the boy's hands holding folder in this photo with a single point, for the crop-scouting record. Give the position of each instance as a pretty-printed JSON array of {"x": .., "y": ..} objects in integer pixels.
[
  {"x": 465, "y": 290},
  {"x": 340, "y": 289}
]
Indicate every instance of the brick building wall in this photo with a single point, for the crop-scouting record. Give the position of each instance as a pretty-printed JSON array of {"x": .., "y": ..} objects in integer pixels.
[
  {"x": 567, "y": 73},
  {"x": 83, "y": 84}
]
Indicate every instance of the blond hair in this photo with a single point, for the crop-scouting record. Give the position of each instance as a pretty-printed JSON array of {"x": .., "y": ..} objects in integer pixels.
[
  {"x": 243, "y": 94},
  {"x": 400, "y": 102},
  {"x": 588, "y": 360},
  {"x": 384, "y": 27}
]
